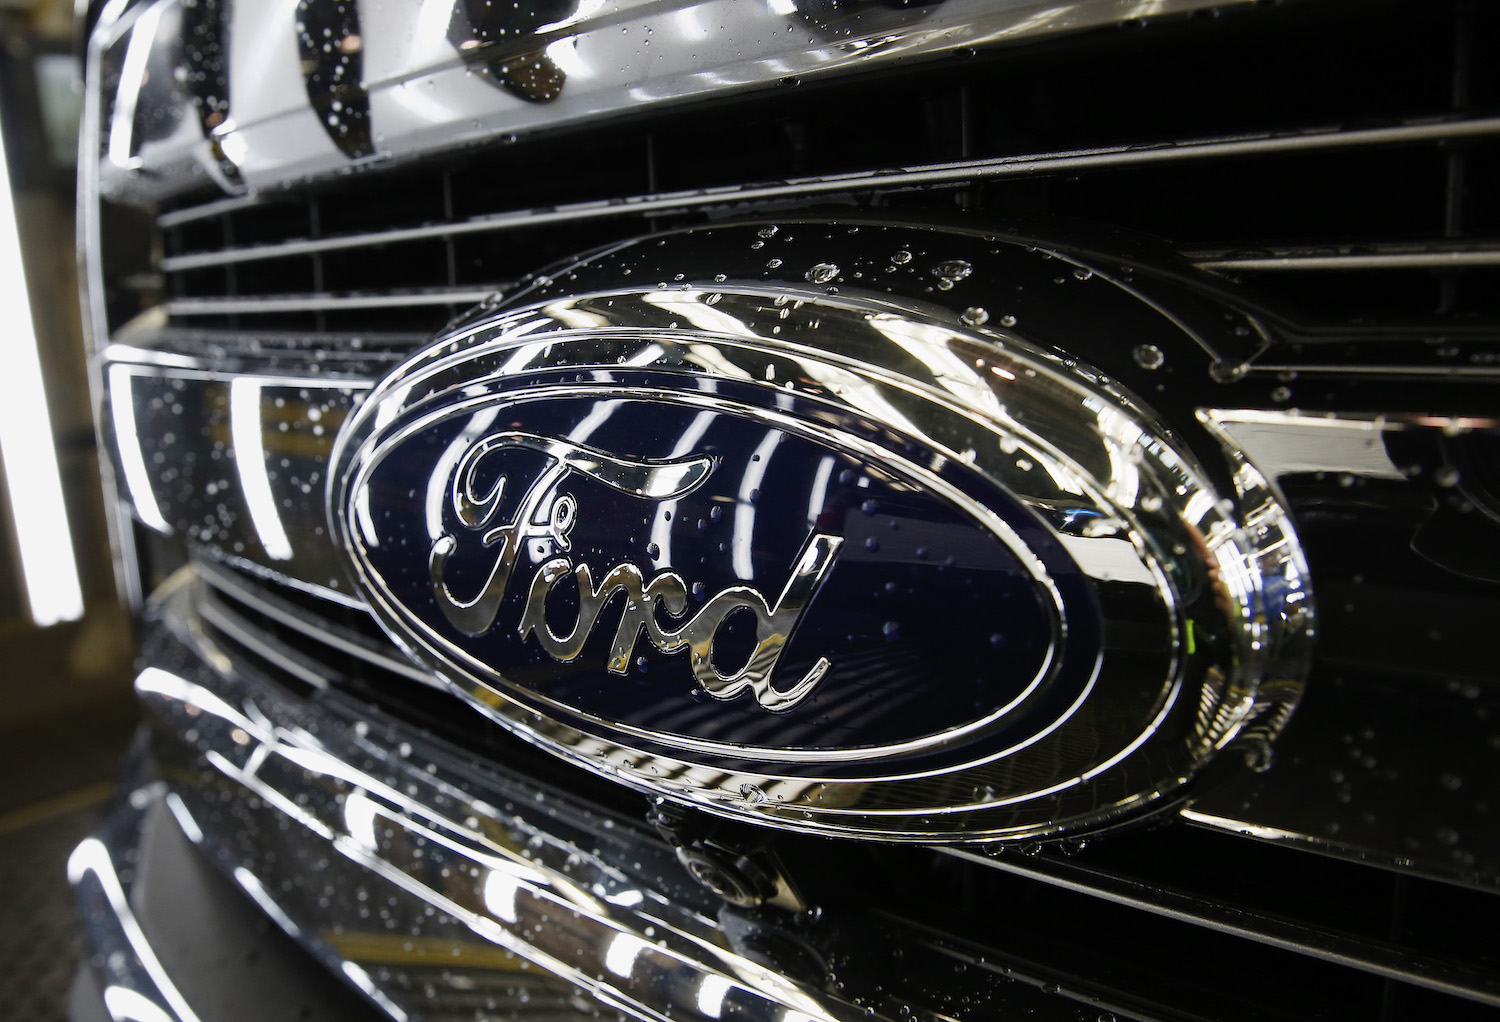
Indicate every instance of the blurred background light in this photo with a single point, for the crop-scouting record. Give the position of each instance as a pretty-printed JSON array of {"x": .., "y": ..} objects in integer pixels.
[{"x": 26, "y": 441}]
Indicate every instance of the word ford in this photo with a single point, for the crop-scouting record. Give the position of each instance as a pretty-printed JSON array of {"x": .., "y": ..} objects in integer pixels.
[{"x": 538, "y": 518}]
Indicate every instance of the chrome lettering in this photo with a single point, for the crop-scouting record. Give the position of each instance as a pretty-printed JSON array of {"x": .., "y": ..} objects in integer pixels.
[{"x": 650, "y": 480}]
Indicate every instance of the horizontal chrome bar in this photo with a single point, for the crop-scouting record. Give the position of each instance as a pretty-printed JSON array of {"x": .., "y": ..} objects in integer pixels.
[
  {"x": 926, "y": 175},
  {"x": 214, "y": 613},
  {"x": 700, "y": 50},
  {"x": 102, "y": 874},
  {"x": 1436, "y": 255},
  {"x": 1463, "y": 372},
  {"x": 329, "y": 634},
  {"x": 504, "y": 875},
  {"x": 207, "y": 209},
  {"x": 320, "y": 302},
  {"x": 1377, "y": 957}
]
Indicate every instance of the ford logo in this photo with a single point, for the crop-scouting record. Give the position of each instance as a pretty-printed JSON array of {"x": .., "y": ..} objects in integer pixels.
[{"x": 807, "y": 558}]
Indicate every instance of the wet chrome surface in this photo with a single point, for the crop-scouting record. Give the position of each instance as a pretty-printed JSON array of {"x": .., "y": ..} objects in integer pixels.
[
  {"x": 438, "y": 887},
  {"x": 1096, "y": 514},
  {"x": 1320, "y": 792},
  {"x": 398, "y": 79}
]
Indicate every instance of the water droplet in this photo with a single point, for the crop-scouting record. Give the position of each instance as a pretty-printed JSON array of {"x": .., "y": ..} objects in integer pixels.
[
  {"x": 768, "y": 231},
  {"x": 1082, "y": 273},
  {"x": 750, "y": 793},
  {"x": 1148, "y": 356},
  {"x": 1150, "y": 502},
  {"x": 1227, "y": 372},
  {"x": 901, "y": 258},
  {"x": 997, "y": 640},
  {"x": 1447, "y": 835},
  {"x": 822, "y": 273},
  {"x": 1446, "y": 476},
  {"x": 872, "y": 544},
  {"x": 891, "y": 630},
  {"x": 699, "y": 590},
  {"x": 952, "y": 270},
  {"x": 772, "y": 264},
  {"x": 975, "y": 316},
  {"x": 1281, "y": 395},
  {"x": 653, "y": 551},
  {"x": 1007, "y": 321}
]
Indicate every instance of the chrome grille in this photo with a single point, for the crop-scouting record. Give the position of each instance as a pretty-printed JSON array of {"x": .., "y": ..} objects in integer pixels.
[
  {"x": 1336, "y": 200},
  {"x": 1349, "y": 196},
  {"x": 1329, "y": 938}
]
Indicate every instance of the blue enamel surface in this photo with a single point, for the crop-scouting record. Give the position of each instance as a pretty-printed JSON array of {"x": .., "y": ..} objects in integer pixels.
[{"x": 929, "y": 620}]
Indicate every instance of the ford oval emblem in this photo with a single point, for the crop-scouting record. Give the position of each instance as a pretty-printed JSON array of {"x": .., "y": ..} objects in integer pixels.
[{"x": 817, "y": 557}]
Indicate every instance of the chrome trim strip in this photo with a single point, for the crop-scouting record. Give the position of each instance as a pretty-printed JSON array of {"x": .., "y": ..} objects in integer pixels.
[
  {"x": 1456, "y": 372},
  {"x": 301, "y": 585},
  {"x": 214, "y": 613},
  {"x": 427, "y": 88},
  {"x": 883, "y": 180},
  {"x": 314, "y": 628},
  {"x": 1376, "y": 957},
  {"x": 138, "y": 987},
  {"x": 1438, "y": 255},
  {"x": 1281, "y": 444},
  {"x": 114, "y": 19},
  {"x": 497, "y": 886},
  {"x": 315, "y": 302}
]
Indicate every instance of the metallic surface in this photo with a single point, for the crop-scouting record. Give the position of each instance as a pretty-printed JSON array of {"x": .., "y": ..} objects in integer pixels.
[
  {"x": 182, "y": 402},
  {"x": 1039, "y": 453},
  {"x": 1380, "y": 958},
  {"x": 882, "y": 179},
  {"x": 348, "y": 833},
  {"x": 1305, "y": 378},
  {"x": 406, "y": 79},
  {"x": 1434, "y": 255},
  {"x": 138, "y": 986}
]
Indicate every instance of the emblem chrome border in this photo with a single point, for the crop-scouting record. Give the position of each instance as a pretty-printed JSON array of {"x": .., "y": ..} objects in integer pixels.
[{"x": 1127, "y": 497}]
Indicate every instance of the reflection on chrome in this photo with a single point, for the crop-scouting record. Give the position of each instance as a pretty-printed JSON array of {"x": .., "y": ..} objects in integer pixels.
[
  {"x": 126, "y": 1005},
  {"x": 128, "y": 450},
  {"x": 619, "y": 942},
  {"x": 245, "y": 429},
  {"x": 92, "y": 857},
  {"x": 742, "y": 543},
  {"x": 122, "y": 146},
  {"x": 1208, "y": 579},
  {"x": 360, "y": 978},
  {"x": 661, "y": 525}
]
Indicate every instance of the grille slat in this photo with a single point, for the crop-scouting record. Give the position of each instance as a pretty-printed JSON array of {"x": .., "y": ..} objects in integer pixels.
[
  {"x": 1398, "y": 256},
  {"x": 1355, "y": 919},
  {"x": 463, "y": 296},
  {"x": 1380, "y": 958},
  {"x": 899, "y": 178}
]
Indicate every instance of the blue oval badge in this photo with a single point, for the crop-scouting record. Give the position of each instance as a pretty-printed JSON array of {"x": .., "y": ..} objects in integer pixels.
[{"x": 707, "y": 541}]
